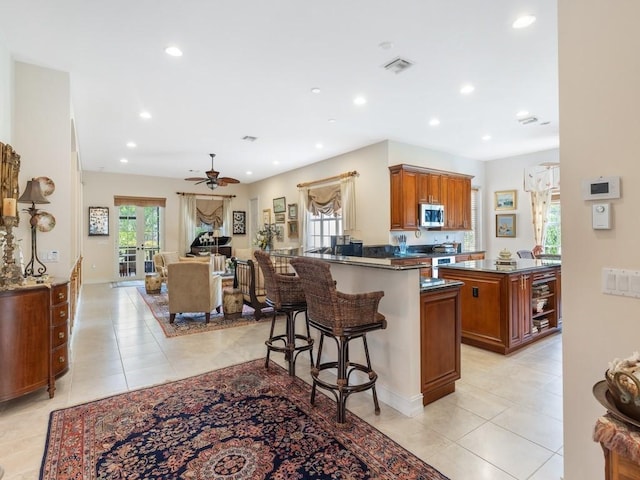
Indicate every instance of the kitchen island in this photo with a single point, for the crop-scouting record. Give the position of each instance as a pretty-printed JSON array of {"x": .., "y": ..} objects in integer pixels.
[
  {"x": 507, "y": 308},
  {"x": 417, "y": 357}
]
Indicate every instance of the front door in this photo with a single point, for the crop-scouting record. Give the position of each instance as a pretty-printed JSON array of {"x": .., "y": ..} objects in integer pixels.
[{"x": 138, "y": 240}]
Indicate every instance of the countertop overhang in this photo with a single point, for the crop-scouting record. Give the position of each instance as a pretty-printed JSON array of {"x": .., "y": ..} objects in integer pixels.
[
  {"x": 521, "y": 265},
  {"x": 385, "y": 263}
]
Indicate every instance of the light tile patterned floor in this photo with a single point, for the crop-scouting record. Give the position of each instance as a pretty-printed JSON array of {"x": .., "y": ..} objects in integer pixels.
[{"x": 503, "y": 422}]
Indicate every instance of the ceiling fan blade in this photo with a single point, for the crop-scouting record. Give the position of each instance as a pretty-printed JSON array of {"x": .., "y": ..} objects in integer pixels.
[
  {"x": 202, "y": 180},
  {"x": 194, "y": 179},
  {"x": 228, "y": 180}
]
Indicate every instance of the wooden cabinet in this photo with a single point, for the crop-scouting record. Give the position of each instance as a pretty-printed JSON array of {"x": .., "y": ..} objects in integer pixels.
[
  {"x": 412, "y": 185},
  {"x": 404, "y": 203},
  {"x": 440, "y": 335},
  {"x": 619, "y": 467},
  {"x": 503, "y": 311},
  {"x": 34, "y": 329}
]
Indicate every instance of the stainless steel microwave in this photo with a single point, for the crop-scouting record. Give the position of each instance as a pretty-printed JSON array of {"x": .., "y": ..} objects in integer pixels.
[{"x": 431, "y": 215}]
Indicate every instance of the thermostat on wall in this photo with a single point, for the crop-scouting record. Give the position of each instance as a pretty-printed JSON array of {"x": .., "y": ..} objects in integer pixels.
[{"x": 601, "y": 188}]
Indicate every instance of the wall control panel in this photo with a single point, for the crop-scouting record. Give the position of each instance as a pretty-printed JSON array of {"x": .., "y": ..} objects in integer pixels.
[
  {"x": 601, "y": 216},
  {"x": 601, "y": 188}
]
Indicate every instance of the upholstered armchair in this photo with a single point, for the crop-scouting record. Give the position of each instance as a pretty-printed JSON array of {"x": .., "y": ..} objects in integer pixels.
[
  {"x": 193, "y": 287},
  {"x": 161, "y": 261}
]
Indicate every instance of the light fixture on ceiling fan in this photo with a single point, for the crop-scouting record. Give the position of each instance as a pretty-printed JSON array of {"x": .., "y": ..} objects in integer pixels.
[{"x": 213, "y": 180}]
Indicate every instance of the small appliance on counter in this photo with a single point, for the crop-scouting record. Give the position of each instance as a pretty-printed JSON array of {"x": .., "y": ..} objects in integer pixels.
[
  {"x": 445, "y": 248},
  {"x": 344, "y": 245}
]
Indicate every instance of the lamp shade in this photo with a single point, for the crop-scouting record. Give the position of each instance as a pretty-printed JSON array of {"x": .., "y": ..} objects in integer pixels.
[{"x": 32, "y": 193}]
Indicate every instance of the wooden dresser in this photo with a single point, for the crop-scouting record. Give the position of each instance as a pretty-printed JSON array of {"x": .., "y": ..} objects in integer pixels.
[
  {"x": 620, "y": 442},
  {"x": 34, "y": 331}
]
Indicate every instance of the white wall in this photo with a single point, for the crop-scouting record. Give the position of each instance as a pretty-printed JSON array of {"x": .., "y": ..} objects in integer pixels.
[
  {"x": 508, "y": 174},
  {"x": 599, "y": 125},
  {"x": 6, "y": 87},
  {"x": 42, "y": 138},
  {"x": 98, "y": 191}
]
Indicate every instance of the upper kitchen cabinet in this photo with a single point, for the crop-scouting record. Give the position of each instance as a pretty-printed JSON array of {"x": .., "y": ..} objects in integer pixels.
[{"x": 411, "y": 186}]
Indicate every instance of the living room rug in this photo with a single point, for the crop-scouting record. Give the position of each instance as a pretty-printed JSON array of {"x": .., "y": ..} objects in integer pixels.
[
  {"x": 188, "y": 323},
  {"x": 240, "y": 422}
]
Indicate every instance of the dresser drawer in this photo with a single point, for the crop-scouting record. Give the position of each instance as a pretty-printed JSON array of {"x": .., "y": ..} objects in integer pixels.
[
  {"x": 59, "y": 294},
  {"x": 60, "y": 314},
  {"x": 59, "y": 335},
  {"x": 60, "y": 359}
]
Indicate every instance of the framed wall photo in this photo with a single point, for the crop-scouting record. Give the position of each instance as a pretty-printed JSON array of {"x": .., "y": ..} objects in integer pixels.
[
  {"x": 506, "y": 225},
  {"x": 292, "y": 211},
  {"x": 266, "y": 216},
  {"x": 279, "y": 233},
  {"x": 239, "y": 222},
  {"x": 98, "y": 221},
  {"x": 279, "y": 205},
  {"x": 506, "y": 200},
  {"x": 279, "y": 217},
  {"x": 293, "y": 229}
]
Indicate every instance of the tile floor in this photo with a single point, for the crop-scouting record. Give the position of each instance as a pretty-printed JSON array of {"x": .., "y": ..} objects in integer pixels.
[{"x": 503, "y": 422}]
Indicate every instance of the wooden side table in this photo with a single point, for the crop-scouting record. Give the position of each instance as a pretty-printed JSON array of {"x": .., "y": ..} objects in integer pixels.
[{"x": 620, "y": 442}]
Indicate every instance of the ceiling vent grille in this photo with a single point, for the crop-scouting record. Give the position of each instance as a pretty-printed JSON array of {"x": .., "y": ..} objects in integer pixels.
[
  {"x": 398, "y": 65},
  {"x": 527, "y": 120},
  {"x": 249, "y": 138}
]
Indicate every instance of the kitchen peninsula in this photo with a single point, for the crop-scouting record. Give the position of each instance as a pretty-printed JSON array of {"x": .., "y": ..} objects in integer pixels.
[
  {"x": 507, "y": 308},
  {"x": 417, "y": 357}
]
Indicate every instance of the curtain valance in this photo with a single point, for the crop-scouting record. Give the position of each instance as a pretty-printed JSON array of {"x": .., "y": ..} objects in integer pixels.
[
  {"x": 119, "y": 200},
  {"x": 326, "y": 200},
  {"x": 210, "y": 212}
]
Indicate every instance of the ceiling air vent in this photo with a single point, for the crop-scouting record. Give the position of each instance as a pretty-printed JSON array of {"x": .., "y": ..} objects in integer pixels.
[
  {"x": 527, "y": 120},
  {"x": 249, "y": 138},
  {"x": 398, "y": 65}
]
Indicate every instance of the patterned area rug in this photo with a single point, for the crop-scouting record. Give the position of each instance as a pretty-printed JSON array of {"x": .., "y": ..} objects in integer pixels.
[
  {"x": 241, "y": 422},
  {"x": 188, "y": 323}
]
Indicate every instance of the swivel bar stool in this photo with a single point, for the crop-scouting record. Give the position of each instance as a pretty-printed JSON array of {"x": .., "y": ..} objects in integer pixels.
[
  {"x": 343, "y": 317},
  {"x": 285, "y": 295}
]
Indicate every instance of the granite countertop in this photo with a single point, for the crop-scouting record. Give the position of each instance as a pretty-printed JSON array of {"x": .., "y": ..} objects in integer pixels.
[
  {"x": 385, "y": 263},
  {"x": 430, "y": 284},
  {"x": 521, "y": 265}
]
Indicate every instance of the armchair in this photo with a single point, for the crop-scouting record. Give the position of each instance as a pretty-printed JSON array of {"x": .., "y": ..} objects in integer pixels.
[
  {"x": 161, "y": 261},
  {"x": 192, "y": 287}
]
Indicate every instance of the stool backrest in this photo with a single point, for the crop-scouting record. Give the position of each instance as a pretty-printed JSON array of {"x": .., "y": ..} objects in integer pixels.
[{"x": 319, "y": 290}]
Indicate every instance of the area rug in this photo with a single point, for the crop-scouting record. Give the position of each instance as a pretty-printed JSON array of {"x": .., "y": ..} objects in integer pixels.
[
  {"x": 188, "y": 323},
  {"x": 241, "y": 422}
]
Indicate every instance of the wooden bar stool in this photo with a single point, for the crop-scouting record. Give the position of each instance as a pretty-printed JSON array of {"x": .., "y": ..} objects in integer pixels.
[
  {"x": 284, "y": 295},
  {"x": 343, "y": 317}
]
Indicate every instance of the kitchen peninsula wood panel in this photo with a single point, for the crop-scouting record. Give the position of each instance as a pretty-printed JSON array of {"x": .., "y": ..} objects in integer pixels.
[
  {"x": 412, "y": 185},
  {"x": 504, "y": 311},
  {"x": 34, "y": 329}
]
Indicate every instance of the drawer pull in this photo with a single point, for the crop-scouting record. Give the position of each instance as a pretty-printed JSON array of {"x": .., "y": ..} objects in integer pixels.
[
  {"x": 62, "y": 313},
  {"x": 60, "y": 334},
  {"x": 60, "y": 295},
  {"x": 61, "y": 359}
]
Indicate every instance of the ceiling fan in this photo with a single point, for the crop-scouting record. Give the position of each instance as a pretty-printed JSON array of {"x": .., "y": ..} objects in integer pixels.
[{"x": 212, "y": 180}]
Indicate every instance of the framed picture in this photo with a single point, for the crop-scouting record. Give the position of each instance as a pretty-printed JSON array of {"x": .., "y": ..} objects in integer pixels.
[
  {"x": 506, "y": 200},
  {"x": 280, "y": 233},
  {"x": 279, "y": 205},
  {"x": 506, "y": 225},
  {"x": 279, "y": 217},
  {"x": 292, "y": 211},
  {"x": 293, "y": 229},
  {"x": 98, "y": 221},
  {"x": 266, "y": 216},
  {"x": 239, "y": 222}
]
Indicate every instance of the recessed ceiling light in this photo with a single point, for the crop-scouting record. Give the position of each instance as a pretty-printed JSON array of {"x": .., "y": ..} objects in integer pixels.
[
  {"x": 315, "y": 90},
  {"x": 249, "y": 172},
  {"x": 486, "y": 138},
  {"x": 173, "y": 51},
  {"x": 319, "y": 145},
  {"x": 385, "y": 45},
  {"x": 124, "y": 160},
  {"x": 131, "y": 144},
  {"x": 467, "y": 89},
  {"x": 146, "y": 115},
  {"x": 276, "y": 162},
  {"x": 524, "y": 21},
  {"x": 522, "y": 113},
  {"x": 332, "y": 120},
  {"x": 434, "y": 122},
  {"x": 359, "y": 100}
]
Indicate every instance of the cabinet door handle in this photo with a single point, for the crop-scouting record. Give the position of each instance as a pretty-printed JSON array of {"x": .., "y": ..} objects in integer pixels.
[{"x": 60, "y": 334}]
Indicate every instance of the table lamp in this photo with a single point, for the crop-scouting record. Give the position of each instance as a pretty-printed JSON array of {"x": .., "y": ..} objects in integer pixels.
[{"x": 33, "y": 195}]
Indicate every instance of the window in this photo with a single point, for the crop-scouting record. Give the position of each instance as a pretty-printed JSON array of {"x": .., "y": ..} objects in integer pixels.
[
  {"x": 470, "y": 242},
  {"x": 320, "y": 228},
  {"x": 552, "y": 238}
]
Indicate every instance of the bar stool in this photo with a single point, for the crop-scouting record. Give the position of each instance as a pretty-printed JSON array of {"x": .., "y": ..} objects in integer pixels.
[
  {"x": 285, "y": 295},
  {"x": 343, "y": 317}
]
